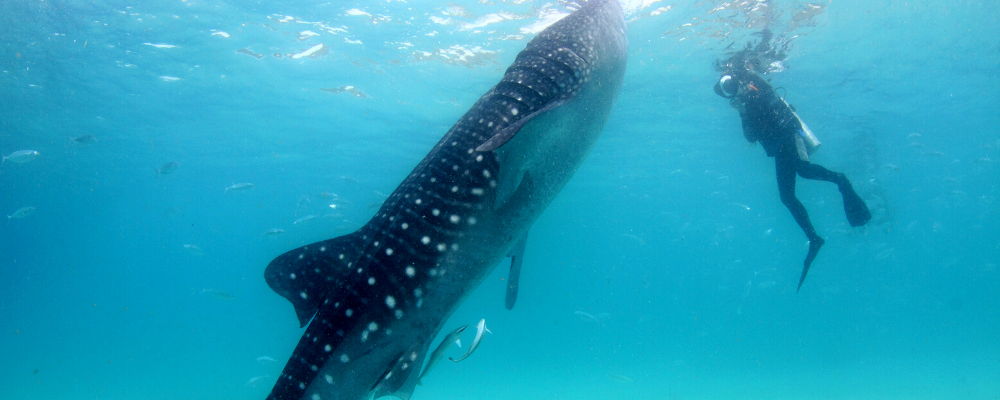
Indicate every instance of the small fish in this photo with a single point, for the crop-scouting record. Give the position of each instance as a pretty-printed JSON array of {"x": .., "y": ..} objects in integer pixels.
[
  {"x": 303, "y": 219},
  {"x": 253, "y": 381},
  {"x": 84, "y": 140},
  {"x": 273, "y": 232},
  {"x": 194, "y": 249},
  {"x": 765, "y": 284},
  {"x": 160, "y": 45},
  {"x": 22, "y": 212},
  {"x": 436, "y": 355},
  {"x": 250, "y": 53},
  {"x": 166, "y": 168},
  {"x": 239, "y": 187},
  {"x": 262, "y": 359},
  {"x": 21, "y": 156},
  {"x": 620, "y": 378},
  {"x": 480, "y": 329},
  {"x": 219, "y": 294},
  {"x": 587, "y": 317},
  {"x": 634, "y": 237}
]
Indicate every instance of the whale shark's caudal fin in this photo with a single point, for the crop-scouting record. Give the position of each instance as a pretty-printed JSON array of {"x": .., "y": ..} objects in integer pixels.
[{"x": 516, "y": 258}]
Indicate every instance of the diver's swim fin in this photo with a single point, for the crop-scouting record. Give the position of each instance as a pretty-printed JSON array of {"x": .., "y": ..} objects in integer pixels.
[
  {"x": 814, "y": 246},
  {"x": 855, "y": 208}
]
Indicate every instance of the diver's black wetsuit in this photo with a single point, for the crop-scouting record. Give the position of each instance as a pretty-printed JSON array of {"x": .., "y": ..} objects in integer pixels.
[{"x": 769, "y": 120}]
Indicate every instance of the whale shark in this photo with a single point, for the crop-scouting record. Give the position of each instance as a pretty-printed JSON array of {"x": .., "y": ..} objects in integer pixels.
[{"x": 374, "y": 299}]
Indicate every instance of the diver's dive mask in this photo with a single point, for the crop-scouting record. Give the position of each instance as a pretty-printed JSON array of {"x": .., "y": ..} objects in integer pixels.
[{"x": 727, "y": 86}]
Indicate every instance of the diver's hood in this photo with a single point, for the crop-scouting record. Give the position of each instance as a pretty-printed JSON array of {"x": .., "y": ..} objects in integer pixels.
[{"x": 727, "y": 86}]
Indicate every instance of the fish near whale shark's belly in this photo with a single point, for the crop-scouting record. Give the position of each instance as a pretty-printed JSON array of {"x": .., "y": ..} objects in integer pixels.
[{"x": 374, "y": 299}]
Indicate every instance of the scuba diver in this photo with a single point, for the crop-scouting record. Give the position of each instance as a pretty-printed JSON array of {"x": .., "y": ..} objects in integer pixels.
[{"x": 772, "y": 122}]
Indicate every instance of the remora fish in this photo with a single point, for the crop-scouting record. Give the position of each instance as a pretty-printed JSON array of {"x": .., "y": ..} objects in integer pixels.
[
  {"x": 480, "y": 331},
  {"x": 438, "y": 352},
  {"x": 377, "y": 297}
]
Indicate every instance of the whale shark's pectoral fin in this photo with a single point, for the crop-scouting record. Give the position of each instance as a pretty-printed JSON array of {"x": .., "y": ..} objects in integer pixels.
[
  {"x": 507, "y": 133},
  {"x": 516, "y": 258},
  {"x": 402, "y": 376},
  {"x": 305, "y": 275}
]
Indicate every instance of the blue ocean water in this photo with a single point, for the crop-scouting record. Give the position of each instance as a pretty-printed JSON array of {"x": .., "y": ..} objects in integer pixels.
[{"x": 665, "y": 269}]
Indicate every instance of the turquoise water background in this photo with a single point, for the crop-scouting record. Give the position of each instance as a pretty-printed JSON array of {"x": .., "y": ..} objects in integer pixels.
[{"x": 665, "y": 269}]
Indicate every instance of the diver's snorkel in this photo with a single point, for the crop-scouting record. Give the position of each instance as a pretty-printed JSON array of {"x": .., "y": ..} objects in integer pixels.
[{"x": 727, "y": 86}]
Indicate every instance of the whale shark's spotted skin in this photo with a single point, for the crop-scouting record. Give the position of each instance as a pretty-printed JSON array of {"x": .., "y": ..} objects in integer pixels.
[{"x": 378, "y": 296}]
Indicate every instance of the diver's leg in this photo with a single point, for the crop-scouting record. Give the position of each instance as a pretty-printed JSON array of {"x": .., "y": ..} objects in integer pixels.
[
  {"x": 816, "y": 172},
  {"x": 855, "y": 208},
  {"x": 785, "y": 169}
]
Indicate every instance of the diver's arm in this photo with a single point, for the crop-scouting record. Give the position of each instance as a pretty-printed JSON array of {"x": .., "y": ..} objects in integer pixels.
[{"x": 748, "y": 130}]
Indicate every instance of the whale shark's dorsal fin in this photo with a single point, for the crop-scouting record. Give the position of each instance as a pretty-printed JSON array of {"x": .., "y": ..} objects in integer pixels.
[{"x": 305, "y": 275}]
